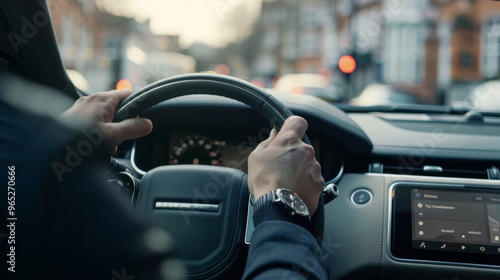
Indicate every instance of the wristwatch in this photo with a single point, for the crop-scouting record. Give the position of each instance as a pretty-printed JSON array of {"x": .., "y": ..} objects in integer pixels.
[{"x": 286, "y": 198}]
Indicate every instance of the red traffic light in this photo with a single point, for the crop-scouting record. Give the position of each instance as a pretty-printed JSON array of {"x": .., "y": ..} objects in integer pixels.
[
  {"x": 347, "y": 64},
  {"x": 123, "y": 84}
]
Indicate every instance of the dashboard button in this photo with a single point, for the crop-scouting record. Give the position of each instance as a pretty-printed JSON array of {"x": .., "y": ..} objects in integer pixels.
[{"x": 361, "y": 197}]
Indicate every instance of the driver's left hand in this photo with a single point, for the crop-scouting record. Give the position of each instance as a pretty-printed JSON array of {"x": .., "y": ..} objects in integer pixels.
[{"x": 101, "y": 107}]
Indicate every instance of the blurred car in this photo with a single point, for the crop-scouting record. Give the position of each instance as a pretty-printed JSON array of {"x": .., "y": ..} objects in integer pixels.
[
  {"x": 379, "y": 94},
  {"x": 309, "y": 84},
  {"x": 262, "y": 82},
  {"x": 484, "y": 97}
]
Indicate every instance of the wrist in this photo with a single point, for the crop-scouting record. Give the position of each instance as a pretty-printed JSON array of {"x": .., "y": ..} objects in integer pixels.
[{"x": 281, "y": 204}]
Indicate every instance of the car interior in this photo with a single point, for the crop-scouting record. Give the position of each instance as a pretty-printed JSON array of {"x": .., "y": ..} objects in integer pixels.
[{"x": 413, "y": 190}]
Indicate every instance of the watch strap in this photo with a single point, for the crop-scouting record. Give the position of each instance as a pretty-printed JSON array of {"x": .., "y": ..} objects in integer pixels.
[
  {"x": 266, "y": 210},
  {"x": 267, "y": 197}
]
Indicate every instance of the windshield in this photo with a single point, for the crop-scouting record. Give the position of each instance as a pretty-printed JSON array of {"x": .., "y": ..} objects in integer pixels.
[{"x": 362, "y": 53}]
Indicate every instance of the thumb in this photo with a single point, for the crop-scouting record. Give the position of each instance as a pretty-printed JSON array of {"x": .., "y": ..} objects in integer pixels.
[{"x": 127, "y": 129}]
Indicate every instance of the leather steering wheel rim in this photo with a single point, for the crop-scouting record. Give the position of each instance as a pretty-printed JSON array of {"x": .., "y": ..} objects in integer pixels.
[
  {"x": 271, "y": 108},
  {"x": 210, "y": 84}
]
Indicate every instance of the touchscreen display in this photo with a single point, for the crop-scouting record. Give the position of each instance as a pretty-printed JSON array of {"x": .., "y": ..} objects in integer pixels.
[
  {"x": 455, "y": 221},
  {"x": 445, "y": 223}
]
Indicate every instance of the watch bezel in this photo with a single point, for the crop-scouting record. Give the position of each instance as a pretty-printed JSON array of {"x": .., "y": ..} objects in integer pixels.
[{"x": 280, "y": 196}]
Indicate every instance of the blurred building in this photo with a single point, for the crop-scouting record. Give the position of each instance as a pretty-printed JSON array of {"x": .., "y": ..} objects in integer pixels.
[
  {"x": 436, "y": 50},
  {"x": 360, "y": 26},
  {"x": 291, "y": 37},
  {"x": 105, "y": 47},
  {"x": 89, "y": 40},
  {"x": 270, "y": 30},
  {"x": 316, "y": 35},
  {"x": 468, "y": 33},
  {"x": 296, "y": 37},
  {"x": 404, "y": 49},
  {"x": 389, "y": 40}
]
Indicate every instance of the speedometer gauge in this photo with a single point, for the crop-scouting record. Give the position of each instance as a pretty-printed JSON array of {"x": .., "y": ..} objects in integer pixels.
[{"x": 196, "y": 149}]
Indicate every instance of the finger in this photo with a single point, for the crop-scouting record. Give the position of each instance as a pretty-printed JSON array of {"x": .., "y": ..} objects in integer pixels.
[
  {"x": 110, "y": 101},
  {"x": 266, "y": 142},
  {"x": 127, "y": 129},
  {"x": 117, "y": 96},
  {"x": 292, "y": 130},
  {"x": 113, "y": 97}
]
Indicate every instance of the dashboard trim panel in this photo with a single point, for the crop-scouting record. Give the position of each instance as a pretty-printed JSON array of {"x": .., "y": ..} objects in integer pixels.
[
  {"x": 337, "y": 177},
  {"x": 132, "y": 160}
]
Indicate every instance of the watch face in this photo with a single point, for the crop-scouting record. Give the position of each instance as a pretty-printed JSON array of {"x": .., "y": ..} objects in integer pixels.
[{"x": 293, "y": 201}]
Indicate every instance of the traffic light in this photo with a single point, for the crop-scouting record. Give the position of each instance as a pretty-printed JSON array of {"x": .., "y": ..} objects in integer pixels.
[
  {"x": 347, "y": 64},
  {"x": 123, "y": 84}
]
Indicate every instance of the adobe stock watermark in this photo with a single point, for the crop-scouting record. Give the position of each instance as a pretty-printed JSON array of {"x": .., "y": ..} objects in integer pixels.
[
  {"x": 125, "y": 112},
  {"x": 122, "y": 275},
  {"x": 483, "y": 93},
  {"x": 426, "y": 147},
  {"x": 211, "y": 190},
  {"x": 372, "y": 25},
  {"x": 31, "y": 25},
  {"x": 313, "y": 263},
  {"x": 76, "y": 153},
  {"x": 246, "y": 147},
  {"x": 222, "y": 7}
]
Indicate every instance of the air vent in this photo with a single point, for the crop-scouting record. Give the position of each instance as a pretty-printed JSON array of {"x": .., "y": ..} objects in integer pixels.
[{"x": 437, "y": 168}]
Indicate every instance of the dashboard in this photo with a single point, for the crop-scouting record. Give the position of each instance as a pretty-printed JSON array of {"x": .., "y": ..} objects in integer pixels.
[
  {"x": 204, "y": 134},
  {"x": 191, "y": 148},
  {"x": 394, "y": 245},
  {"x": 183, "y": 147},
  {"x": 419, "y": 194}
]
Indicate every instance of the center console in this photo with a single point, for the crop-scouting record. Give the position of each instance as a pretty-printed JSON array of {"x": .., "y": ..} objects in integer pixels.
[
  {"x": 445, "y": 223},
  {"x": 413, "y": 227}
]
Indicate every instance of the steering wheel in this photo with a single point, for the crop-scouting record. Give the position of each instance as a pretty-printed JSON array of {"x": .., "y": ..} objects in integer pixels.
[{"x": 203, "y": 207}]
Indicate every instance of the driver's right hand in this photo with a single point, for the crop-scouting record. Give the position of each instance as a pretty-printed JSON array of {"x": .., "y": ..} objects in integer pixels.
[{"x": 284, "y": 161}]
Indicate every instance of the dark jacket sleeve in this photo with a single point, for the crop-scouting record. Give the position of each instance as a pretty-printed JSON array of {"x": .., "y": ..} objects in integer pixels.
[
  {"x": 68, "y": 223},
  {"x": 283, "y": 248}
]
